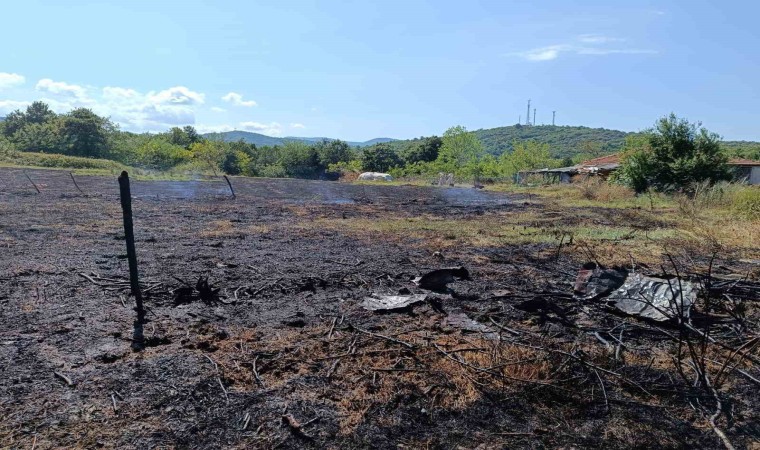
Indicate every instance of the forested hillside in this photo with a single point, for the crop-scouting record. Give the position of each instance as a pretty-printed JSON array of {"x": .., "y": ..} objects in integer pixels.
[{"x": 564, "y": 141}]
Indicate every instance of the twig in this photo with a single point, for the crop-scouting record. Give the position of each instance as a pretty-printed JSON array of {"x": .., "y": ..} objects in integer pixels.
[
  {"x": 256, "y": 372},
  {"x": 221, "y": 385},
  {"x": 332, "y": 368},
  {"x": 397, "y": 341},
  {"x": 332, "y": 327},
  {"x": 508, "y": 330},
  {"x": 65, "y": 379},
  {"x": 604, "y": 391},
  {"x": 113, "y": 401}
]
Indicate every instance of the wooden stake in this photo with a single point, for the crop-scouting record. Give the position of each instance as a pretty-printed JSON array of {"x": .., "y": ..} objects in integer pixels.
[
  {"x": 30, "y": 180},
  {"x": 129, "y": 235},
  {"x": 75, "y": 182},
  {"x": 230, "y": 185}
]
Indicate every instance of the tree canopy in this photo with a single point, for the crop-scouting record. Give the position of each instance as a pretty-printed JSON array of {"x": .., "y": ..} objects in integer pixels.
[{"x": 672, "y": 155}]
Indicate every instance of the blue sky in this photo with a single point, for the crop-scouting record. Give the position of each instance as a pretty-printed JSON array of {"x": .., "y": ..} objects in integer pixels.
[{"x": 359, "y": 70}]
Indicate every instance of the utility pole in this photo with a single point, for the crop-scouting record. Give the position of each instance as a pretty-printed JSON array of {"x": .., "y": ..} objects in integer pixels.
[
  {"x": 527, "y": 118},
  {"x": 554, "y": 113},
  {"x": 534, "y": 116}
]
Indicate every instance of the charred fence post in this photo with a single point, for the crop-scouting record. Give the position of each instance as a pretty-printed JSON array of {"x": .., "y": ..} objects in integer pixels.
[
  {"x": 75, "y": 182},
  {"x": 129, "y": 235},
  {"x": 230, "y": 185},
  {"x": 30, "y": 180}
]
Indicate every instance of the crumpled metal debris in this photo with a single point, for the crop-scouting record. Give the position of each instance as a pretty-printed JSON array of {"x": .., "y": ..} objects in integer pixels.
[
  {"x": 438, "y": 279},
  {"x": 383, "y": 303},
  {"x": 654, "y": 298},
  {"x": 595, "y": 282}
]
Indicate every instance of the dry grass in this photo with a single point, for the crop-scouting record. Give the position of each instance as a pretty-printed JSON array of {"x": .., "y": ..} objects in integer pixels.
[
  {"x": 602, "y": 191},
  {"x": 362, "y": 372}
]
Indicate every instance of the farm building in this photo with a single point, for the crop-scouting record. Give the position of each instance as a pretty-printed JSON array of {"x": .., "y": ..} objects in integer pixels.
[
  {"x": 602, "y": 166},
  {"x": 746, "y": 169}
]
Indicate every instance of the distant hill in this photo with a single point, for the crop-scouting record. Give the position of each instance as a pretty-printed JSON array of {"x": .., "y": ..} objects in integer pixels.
[
  {"x": 262, "y": 140},
  {"x": 563, "y": 140}
]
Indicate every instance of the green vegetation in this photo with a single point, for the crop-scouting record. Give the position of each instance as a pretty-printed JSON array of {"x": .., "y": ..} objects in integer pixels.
[
  {"x": 671, "y": 156},
  {"x": 674, "y": 153}
]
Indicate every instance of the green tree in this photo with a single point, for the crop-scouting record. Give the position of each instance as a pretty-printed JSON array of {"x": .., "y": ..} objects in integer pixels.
[
  {"x": 210, "y": 153},
  {"x": 38, "y": 137},
  {"x": 424, "y": 150},
  {"x": 37, "y": 113},
  {"x": 160, "y": 154},
  {"x": 299, "y": 159},
  {"x": 673, "y": 155},
  {"x": 184, "y": 137},
  {"x": 332, "y": 152},
  {"x": 85, "y": 133},
  {"x": 379, "y": 158},
  {"x": 528, "y": 155},
  {"x": 459, "y": 151}
]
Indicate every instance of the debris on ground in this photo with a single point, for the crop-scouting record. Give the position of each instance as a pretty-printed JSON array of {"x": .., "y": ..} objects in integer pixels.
[
  {"x": 385, "y": 303},
  {"x": 437, "y": 280},
  {"x": 463, "y": 322},
  {"x": 375, "y": 176},
  {"x": 654, "y": 298},
  {"x": 594, "y": 282}
]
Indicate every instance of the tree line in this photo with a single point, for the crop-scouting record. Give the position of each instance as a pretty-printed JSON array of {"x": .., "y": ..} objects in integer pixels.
[{"x": 672, "y": 153}]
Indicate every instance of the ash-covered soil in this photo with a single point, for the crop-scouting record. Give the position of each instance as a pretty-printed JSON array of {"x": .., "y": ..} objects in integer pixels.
[{"x": 285, "y": 356}]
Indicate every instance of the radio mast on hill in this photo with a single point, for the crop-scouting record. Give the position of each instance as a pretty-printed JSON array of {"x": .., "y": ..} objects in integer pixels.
[
  {"x": 527, "y": 118},
  {"x": 534, "y": 116},
  {"x": 554, "y": 113}
]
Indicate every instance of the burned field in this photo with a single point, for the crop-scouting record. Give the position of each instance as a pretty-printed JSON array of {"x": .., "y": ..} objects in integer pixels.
[{"x": 269, "y": 320}]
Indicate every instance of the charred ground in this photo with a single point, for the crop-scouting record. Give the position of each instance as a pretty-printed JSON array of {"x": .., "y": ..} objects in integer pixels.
[{"x": 285, "y": 356}]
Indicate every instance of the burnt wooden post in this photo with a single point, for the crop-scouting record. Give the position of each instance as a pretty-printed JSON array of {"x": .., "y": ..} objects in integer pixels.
[
  {"x": 30, "y": 180},
  {"x": 230, "y": 185},
  {"x": 75, "y": 182},
  {"x": 129, "y": 235}
]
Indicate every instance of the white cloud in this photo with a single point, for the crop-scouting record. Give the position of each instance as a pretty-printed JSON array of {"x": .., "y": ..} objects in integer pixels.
[
  {"x": 119, "y": 93},
  {"x": 297, "y": 125},
  {"x": 63, "y": 89},
  {"x": 586, "y": 44},
  {"x": 217, "y": 109},
  {"x": 214, "y": 128},
  {"x": 271, "y": 129},
  {"x": 9, "y": 80},
  {"x": 7, "y": 106},
  {"x": 543, "y": 53},
  {"x": 177, "y": 95},
  {"x": 237, "y": 99},
  {"x": 597, "y": 39}
]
